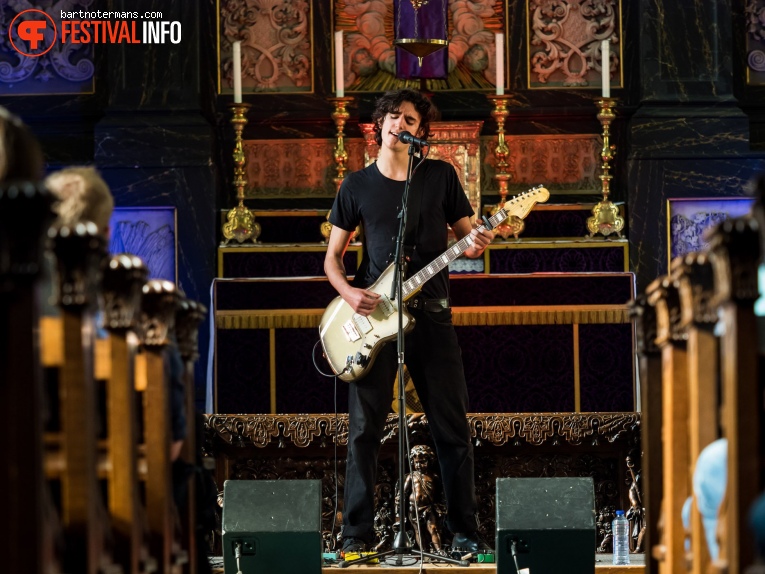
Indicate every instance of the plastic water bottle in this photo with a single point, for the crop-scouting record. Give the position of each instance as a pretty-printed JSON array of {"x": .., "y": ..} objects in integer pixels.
[{"x": 620, "y": 530}]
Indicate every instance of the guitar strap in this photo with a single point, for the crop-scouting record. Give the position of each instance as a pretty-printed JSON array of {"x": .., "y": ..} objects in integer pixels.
[{"x": 416, "y": 192}]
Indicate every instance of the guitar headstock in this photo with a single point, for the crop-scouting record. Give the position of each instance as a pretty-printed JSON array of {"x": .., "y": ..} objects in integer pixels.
[{"x": 522, "y": 204}]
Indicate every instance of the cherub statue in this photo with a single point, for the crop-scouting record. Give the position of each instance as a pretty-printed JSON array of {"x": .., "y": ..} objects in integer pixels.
[
  {"x": 424, "y": 498},
  {"x": 636, "y": 512}
]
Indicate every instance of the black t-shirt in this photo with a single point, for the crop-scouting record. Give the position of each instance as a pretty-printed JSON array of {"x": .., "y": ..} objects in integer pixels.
[{"x": 370, "y": 198}]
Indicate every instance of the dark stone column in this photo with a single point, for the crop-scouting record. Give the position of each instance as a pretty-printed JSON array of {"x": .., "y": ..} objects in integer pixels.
[
  {"x": 688, "y": 136},
  {"x": 154, "y": 146}
]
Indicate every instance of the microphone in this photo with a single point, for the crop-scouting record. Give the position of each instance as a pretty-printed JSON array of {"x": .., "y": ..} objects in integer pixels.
[{"x": 406, "y": 137}]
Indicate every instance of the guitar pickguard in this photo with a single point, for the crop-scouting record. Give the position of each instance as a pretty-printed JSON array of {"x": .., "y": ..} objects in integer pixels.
[{"x": 358, "y": 325}]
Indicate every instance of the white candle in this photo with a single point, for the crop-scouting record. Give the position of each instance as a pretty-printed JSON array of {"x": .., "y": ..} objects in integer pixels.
[
  {"x": 237, "y": 69},
  {"x": 339, "y": 76},
  {"x": 606, "y": 69},
  {"x": 499, "y": 40}
]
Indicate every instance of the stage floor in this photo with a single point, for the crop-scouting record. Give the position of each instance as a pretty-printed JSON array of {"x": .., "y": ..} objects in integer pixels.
[{"x": 602, "y": 566}]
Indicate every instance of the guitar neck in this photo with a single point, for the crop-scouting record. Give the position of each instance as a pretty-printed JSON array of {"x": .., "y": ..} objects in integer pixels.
[{"x": 416, "y": 281}]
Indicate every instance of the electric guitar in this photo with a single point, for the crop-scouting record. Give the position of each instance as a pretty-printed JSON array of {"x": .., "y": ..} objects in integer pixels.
[{"x": 351, "y": 341}]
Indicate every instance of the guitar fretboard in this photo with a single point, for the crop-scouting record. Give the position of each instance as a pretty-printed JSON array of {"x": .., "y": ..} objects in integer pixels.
[
  {"x": 519, "y": 205},
  {"x": 413, "y": 284}
]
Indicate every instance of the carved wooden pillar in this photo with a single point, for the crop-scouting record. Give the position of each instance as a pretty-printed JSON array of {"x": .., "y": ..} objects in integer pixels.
[
  {"x": 735, "y": 253},
  {"x": 124, "y": 278},
  {"x": 649, "y": 359},
  {"x": 188, "y": 318},
  {"x": 27, "y": 542},
  {"x": 671, "y": 338},
  {"x": 694, "y": 280},
  {"x": 80, "y": 251},
  {"x": 158, "y": 321}
]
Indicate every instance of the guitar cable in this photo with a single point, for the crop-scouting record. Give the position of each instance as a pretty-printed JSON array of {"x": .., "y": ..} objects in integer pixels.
[{"x": 347, "y": 368}]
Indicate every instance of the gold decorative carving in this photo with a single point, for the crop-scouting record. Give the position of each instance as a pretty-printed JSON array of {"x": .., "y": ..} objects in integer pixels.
[
  {"x": 497, "y": 429},
  {"x": 277, "y": 45},
  {"x": 296, "y": 168},
  {"x": 564, "y": 41},
  {"x": 462, "y": 316},
  {"x": 568, "y": 164}
]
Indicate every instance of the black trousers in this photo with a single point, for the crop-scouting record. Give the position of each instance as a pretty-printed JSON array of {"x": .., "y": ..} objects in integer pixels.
[{"x": 434, "y": 359}]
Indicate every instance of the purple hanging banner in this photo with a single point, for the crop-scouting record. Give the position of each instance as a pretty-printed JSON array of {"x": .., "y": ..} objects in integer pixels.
[{"x": 431, "y": 24}]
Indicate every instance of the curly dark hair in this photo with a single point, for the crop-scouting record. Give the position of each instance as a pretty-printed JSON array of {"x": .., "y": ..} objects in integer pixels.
[{"x": 390, "y": 102}]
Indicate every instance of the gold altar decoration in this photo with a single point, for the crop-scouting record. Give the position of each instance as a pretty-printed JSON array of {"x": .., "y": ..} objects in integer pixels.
[
  {"x": 340, "y": 116},
  {"x": 605, "y": 215},
  {"x": 421, "y": 47},
  {"x": 240, "y": 224},
  {"x": 513, "y": 224}
]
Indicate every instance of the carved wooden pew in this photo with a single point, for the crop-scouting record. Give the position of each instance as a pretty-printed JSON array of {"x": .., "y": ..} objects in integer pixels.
[
  {"x": 671, "y": 336},
  {"x": 735, "y": 254},
  {"x": 649, "y": 363},
  {"x": 30, "y": 530},
  {"x": 80, "y": 250},
  {"x": 158, "y": 309},
  {"x": 124, "y": 278},
  {"x": 694, "y": 278},
  {"x": 189, "y": 316}
]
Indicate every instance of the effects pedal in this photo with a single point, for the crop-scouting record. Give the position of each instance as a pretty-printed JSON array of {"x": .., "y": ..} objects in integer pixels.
[{"x": 355, "y": 555}]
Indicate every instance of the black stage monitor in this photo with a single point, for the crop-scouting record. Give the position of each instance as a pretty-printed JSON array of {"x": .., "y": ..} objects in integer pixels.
[
  {"x": 551, "y": 523},
  {"x": 272, "y": 526}
]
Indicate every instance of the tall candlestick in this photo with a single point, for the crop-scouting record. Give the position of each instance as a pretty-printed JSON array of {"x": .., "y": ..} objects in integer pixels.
[
  {"x": 499, "y": 40},
  {"x": 606, "y": 218},
  {"x": 240, "y": 224},
  {"x": 237, "y": 69},
  {"x": 339, "y": 76},
  {"x": 605, "y": 68}
]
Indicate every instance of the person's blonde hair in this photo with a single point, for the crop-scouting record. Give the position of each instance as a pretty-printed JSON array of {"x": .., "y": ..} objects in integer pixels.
[{"x": 82, "y": 195}]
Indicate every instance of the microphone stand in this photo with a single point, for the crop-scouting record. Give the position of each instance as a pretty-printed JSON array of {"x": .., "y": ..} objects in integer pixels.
[{"x": 402, "y": 545}]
